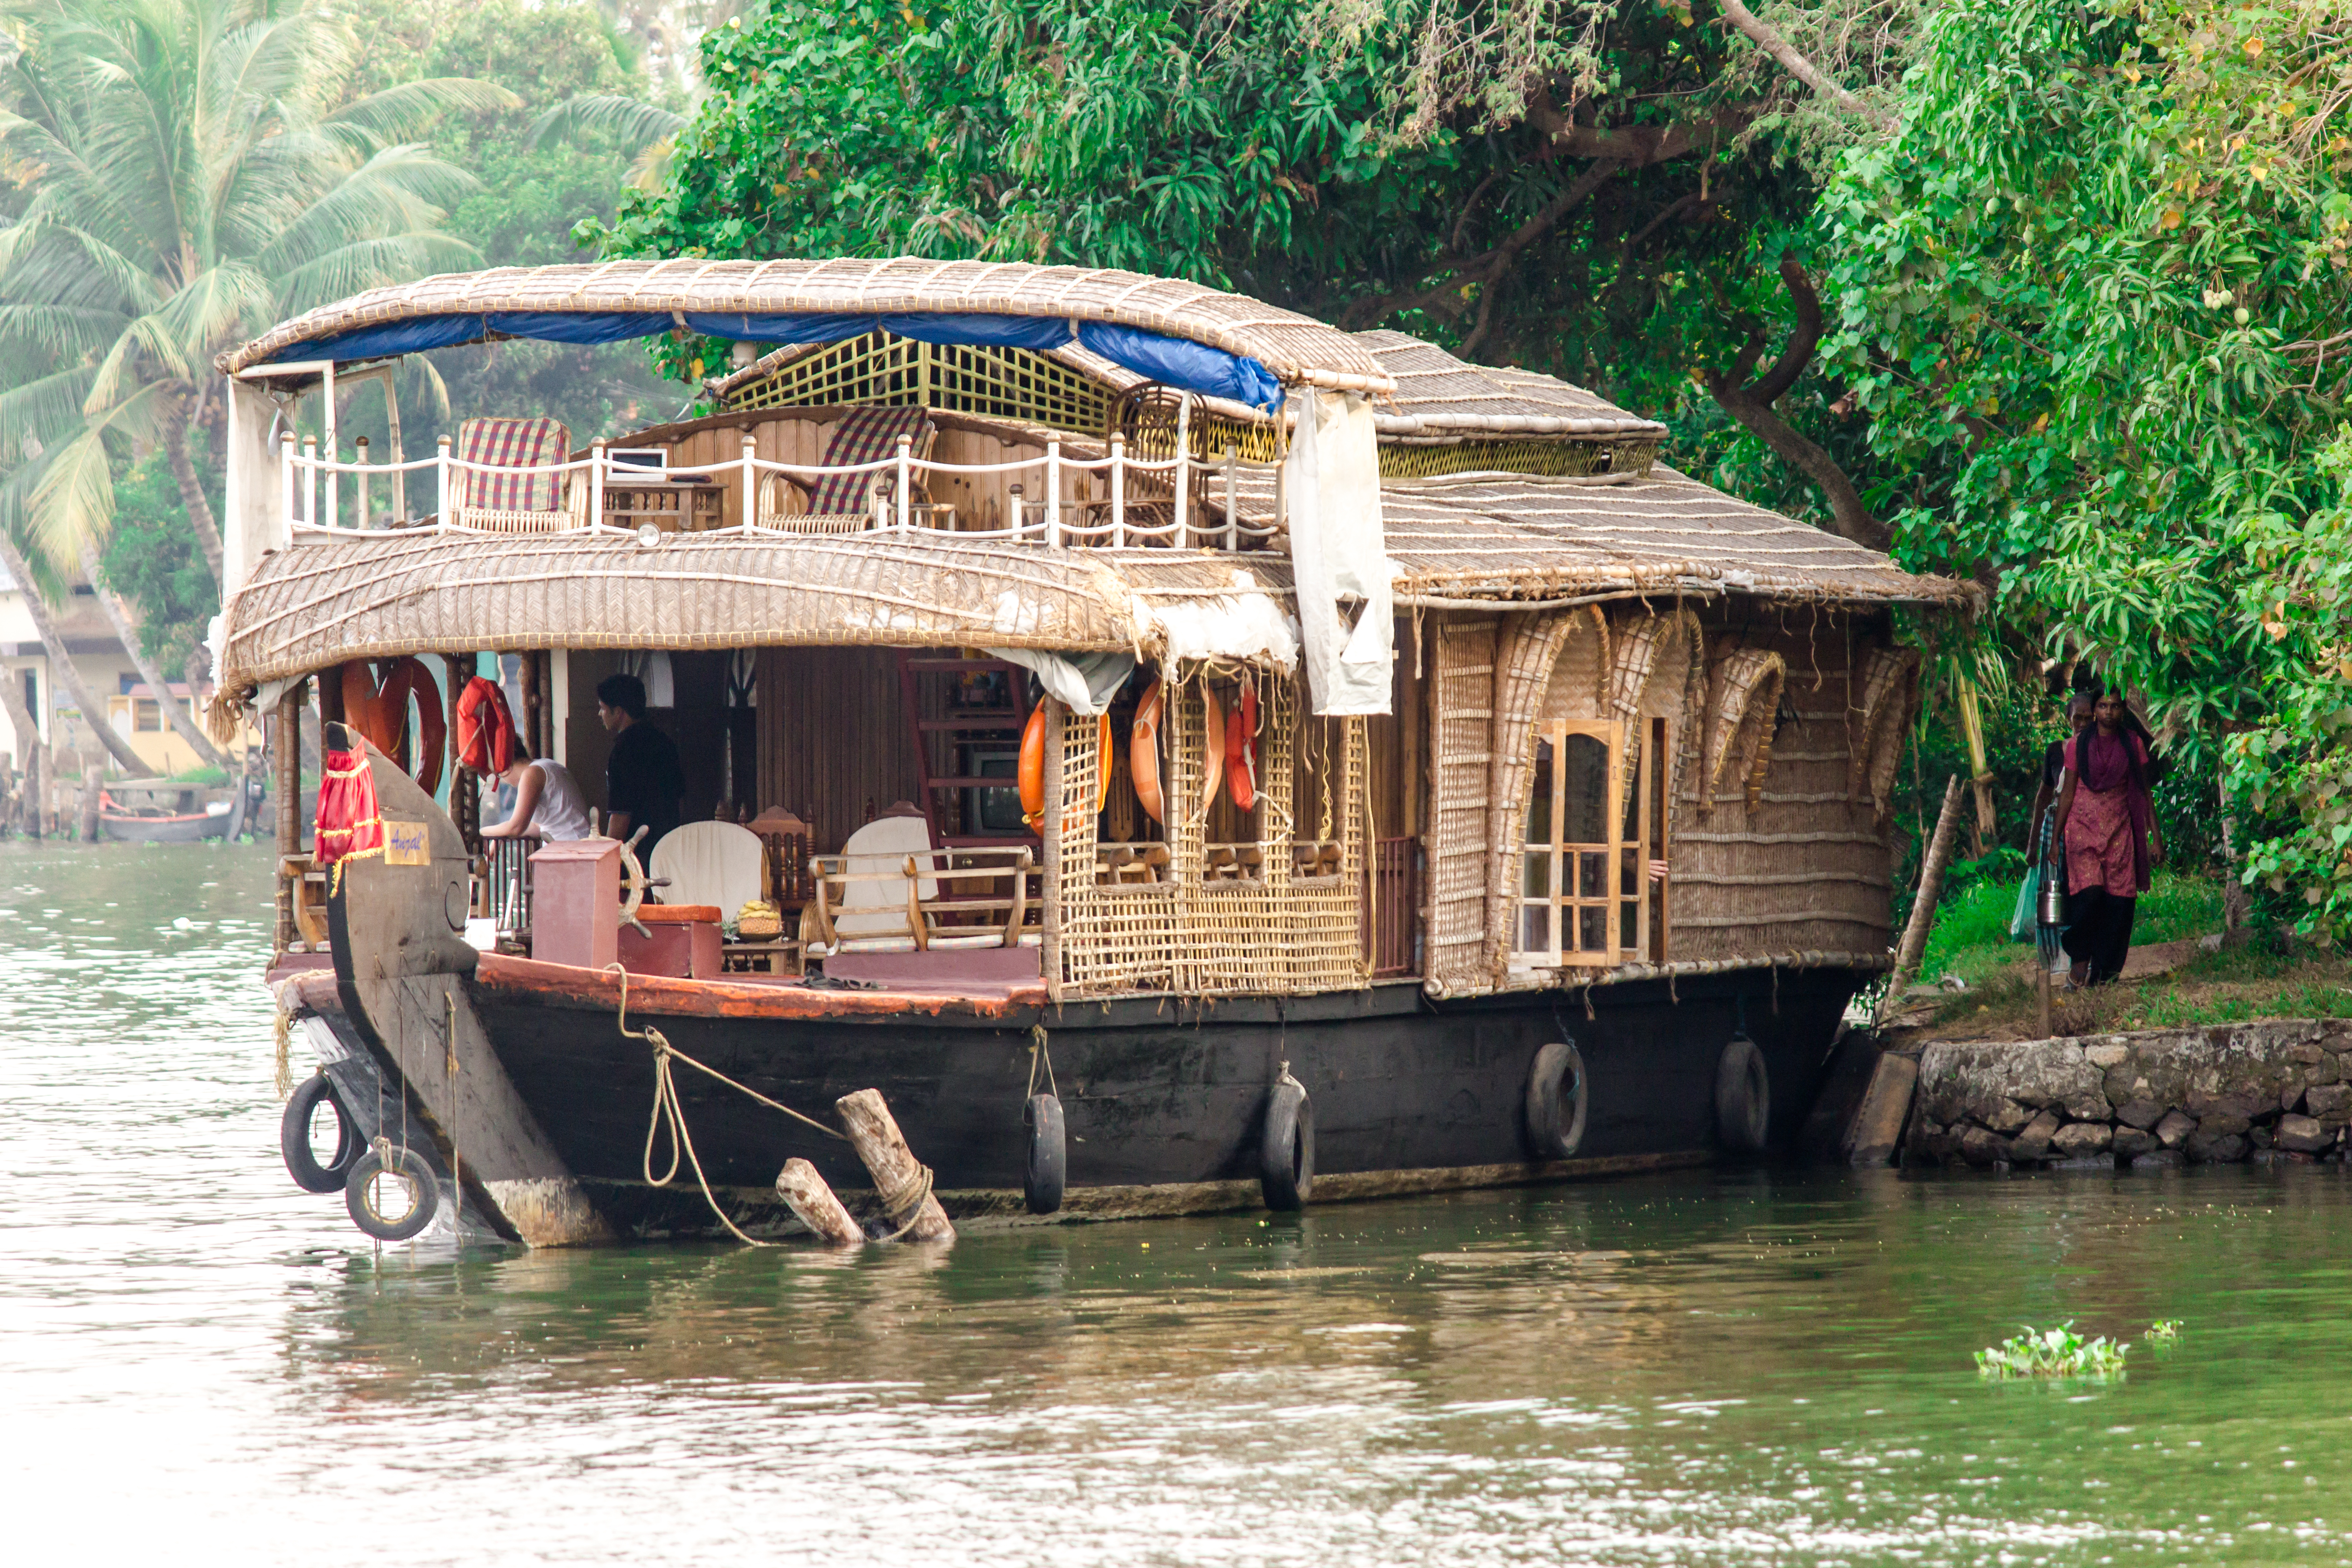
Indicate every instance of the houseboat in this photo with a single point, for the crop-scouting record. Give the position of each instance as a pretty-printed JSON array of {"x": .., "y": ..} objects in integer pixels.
[{"x": 1183, "y": 755}]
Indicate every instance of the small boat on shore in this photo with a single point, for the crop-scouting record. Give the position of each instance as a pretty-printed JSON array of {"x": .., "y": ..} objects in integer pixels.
[
  {"x": 1323, "y": 768},
  {"x": 154, "y": 810}
]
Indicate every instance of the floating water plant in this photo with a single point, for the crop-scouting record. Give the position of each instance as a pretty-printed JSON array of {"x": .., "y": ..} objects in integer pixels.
[
  {"x": 2164, "y": 1331},
  {"x": 2053, "y": 1353}
]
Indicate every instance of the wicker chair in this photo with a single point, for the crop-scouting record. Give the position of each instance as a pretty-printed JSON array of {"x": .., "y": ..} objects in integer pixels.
[
  {"x": 851, "y": 503},
  {"x": 508, "y": 499}
]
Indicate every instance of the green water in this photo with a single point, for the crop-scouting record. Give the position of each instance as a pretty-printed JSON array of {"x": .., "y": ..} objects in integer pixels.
[{"x": 199, "y": 1364}]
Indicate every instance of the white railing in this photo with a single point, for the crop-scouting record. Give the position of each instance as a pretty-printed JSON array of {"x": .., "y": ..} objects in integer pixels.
[{"x": 1167, "y": 516}]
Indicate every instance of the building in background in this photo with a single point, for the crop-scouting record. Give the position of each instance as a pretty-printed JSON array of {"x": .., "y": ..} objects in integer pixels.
[{"x": 132, "y": 707}]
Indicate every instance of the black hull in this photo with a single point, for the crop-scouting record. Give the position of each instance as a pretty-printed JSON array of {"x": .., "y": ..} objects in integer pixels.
[{"x": 1164, "y": 1104}]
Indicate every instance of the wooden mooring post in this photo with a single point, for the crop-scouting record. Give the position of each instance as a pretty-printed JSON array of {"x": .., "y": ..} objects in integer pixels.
[
  {"x": 813, "y": 1202},
  {"x": 898, "y": 1176}
]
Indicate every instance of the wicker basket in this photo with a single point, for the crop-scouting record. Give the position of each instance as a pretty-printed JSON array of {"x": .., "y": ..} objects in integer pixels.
[{"x": 757, "y": 922}]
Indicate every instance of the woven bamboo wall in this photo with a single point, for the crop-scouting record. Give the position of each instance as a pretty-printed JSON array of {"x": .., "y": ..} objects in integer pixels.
[
  {"x": 1796, "y": 858},
  {"x": 1461, "y": 718},
  {"x": 1535, "y": 653},
  {"x": 1272, "y": 933},
  {"x": 1789, "y": 852}
]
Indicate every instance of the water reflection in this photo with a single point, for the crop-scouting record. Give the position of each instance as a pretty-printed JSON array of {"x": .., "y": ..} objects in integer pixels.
[{"x": 202, "y": 1362}]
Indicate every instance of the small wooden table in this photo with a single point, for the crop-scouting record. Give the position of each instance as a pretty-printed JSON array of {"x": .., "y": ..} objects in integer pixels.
[{"x": 680, "y": 503}]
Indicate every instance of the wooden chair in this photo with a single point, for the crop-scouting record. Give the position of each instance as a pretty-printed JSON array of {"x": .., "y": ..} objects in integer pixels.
[
  {"x": 509, "y": 499},
  {"x": 931, "y": 916},
  {"x": 852, "y": 503}
]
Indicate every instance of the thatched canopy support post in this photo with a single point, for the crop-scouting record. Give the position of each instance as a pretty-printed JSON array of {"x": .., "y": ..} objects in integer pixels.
[
  {"x": 1049, "y": 913},
  {"x": 290, "y": 803}
]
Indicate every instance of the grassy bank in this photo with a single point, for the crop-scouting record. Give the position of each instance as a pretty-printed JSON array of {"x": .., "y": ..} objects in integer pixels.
[{"x": 2262, "y": 979}]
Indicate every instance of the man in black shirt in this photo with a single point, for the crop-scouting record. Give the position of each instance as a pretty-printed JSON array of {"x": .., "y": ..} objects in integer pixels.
[{"x": 642, "y": 778}]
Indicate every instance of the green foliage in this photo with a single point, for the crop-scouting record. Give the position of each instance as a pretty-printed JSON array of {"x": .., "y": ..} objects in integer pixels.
[
  {"x": 2083, "y": 295},
  {"x": 2053, "y": 1353},
  {"x": 193, "y": 169},
  {"x": 2164, "y": 1331},
  {"x": 531, "y": 195},
  {"x": 152, "y": 559},
  {"x": 1347, "y": 159}
]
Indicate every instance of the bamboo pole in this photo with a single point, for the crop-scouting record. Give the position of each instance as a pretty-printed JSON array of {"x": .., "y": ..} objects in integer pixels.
[
  {"x": 898, "y": 1176},
  {"x": 813, "y": 1202},
  {"x": 1980, "y": 769},
  {"x": 1923, "y": 907}
]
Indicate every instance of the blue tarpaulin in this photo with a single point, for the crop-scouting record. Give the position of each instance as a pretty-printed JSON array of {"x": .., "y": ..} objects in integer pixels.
[{"x": 1174, "y": 361}]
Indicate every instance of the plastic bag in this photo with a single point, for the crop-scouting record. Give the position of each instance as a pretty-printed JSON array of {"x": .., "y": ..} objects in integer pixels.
[{"x": 2026, "y": 918}]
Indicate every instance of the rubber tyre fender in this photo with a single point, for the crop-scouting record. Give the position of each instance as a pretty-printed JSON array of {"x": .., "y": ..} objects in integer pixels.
[
  {"x": 294, "y": 1137},
  {"x": 1743, "y": 1098},
  {"x": 1557, "y": 1101},
  {"x": 1048, "y": 1170},
  {"x": 1286, "y": 1155},
  {"x": 407, "y": 1163}
]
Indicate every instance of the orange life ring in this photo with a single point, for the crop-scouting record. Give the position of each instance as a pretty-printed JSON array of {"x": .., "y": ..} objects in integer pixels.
[
  {"x": 1241, "y": 752},
  {"x": 485, "y": 732},
  {"x": 380, "y": 712},
  {"x": 1143, "y": 755},
  {"x": 1033, "y": 769},
  {"x": 1214, "y": 759}
]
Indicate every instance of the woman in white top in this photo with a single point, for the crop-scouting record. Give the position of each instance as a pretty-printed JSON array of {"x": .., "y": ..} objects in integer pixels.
[{"x": 547, "y": 802}]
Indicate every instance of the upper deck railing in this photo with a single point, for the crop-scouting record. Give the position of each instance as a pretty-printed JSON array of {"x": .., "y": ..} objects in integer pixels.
[{"x": 1145, "y": 503}]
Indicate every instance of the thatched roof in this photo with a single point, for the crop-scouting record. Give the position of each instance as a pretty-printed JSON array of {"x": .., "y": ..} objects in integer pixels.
[
  {"x": 1296, "y": 348},
  {"x": 1437, "y": 398},
  {"x": 1488, "y": 534},
  {"x": 1438, "y": 395},
  {"x": 1527, "y": 536},
  {"x": 373, "y": 596}
]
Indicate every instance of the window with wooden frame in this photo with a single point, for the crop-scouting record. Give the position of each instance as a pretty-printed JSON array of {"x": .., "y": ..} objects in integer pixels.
[{"x": 1596, "y": 819}]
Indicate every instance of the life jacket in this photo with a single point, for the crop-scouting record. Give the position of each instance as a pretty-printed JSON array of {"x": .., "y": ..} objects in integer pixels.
[
  {"x": 1241, "y": 751},
  {"x": 486, "y": 728},
  {"x": 380, "y": 712}
]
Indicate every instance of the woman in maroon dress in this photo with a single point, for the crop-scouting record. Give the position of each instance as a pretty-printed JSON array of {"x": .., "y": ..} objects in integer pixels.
[{"x": 2109, "y": 826}]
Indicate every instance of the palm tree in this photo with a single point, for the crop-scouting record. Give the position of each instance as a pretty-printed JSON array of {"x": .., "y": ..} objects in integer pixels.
[{"x": 189, "y": 176}]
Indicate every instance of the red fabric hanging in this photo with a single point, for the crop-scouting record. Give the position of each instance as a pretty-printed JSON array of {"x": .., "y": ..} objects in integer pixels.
[{"x": 350, "y": 824}]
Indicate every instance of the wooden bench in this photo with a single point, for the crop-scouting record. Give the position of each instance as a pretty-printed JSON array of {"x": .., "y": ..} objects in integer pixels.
[{"x": 940, "y": 921}]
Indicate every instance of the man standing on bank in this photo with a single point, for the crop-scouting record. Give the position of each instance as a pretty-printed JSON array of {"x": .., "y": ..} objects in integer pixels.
[
  {"x": 2108, "y": 823},
  {"x": 642, "y": 777}
]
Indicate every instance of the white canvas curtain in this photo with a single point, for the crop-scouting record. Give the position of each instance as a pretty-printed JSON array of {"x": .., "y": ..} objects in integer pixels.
[{"x": 1339, "y": 551}]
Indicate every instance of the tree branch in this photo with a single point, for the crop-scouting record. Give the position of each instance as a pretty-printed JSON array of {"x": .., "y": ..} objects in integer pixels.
[
  {"x": 1488, "y": 266},
  {"x": 1751, "y": 405},
  {"x": 1769, "y": 40},
  {"x": 1635, "y": 146}
]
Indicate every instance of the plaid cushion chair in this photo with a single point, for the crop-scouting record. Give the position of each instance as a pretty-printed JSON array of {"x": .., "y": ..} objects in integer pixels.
[
  {"x": 844, "y": 503},
  {"x": 509, "y": 498}
]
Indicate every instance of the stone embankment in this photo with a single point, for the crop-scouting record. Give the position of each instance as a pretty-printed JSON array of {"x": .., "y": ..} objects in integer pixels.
[{"x": 2276, "y": 1092}]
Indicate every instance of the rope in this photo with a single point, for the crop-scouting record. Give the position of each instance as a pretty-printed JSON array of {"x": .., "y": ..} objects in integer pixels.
[
  {"x": 904, "y": 1202},
  {"x": 668, "y": 1107},
  {"x": 1038, "y": 1046}
]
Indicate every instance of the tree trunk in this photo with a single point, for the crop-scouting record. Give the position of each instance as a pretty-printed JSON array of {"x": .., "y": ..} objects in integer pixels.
[
  {"x": 21, "y": 718},
  {"x": 92, "y": 787},
  {"x": 62, "y": 664},
  {"x": 119, "y": 617},
  {"x": 1751, "y": 403},
  {"x": 191, "y": 492}
]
